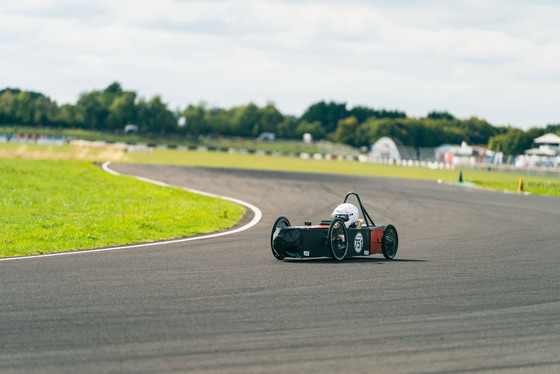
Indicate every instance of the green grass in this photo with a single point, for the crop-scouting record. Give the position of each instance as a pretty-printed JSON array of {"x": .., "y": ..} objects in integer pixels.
[
  {"x": 534, "y": 184},
  {"x": 53, "y": 206}
]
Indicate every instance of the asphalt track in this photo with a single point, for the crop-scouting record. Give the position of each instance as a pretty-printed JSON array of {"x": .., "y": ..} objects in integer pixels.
[{"x": 475, "y": 287}]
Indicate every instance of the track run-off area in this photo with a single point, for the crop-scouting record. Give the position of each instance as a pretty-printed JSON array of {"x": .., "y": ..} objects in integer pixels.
[{"x": 474, "y": 288}]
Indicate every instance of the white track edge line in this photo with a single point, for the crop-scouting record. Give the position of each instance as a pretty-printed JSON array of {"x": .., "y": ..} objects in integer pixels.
[{"x": 256, "y": 219}]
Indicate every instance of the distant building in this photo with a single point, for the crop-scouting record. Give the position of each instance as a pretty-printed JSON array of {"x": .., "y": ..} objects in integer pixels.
[
  {"x": 461, "y": 154},
  {"x": 389, "y": 149},
  {"x": 267, "y": 137},
  {"x": 385, "y": 148},
  {"x": 546, "y": 145},
  {"x": 131, "y": 129}
]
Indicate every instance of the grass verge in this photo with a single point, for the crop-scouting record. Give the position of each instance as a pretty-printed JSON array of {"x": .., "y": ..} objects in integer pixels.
[{"x": 60, "y": 205}]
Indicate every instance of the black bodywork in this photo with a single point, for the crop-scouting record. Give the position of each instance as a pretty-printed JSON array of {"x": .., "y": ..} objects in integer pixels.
[{"x": 331, "y": 238}]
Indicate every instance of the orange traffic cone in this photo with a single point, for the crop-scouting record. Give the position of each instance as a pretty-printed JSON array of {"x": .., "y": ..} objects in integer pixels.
[{"x": 520, "y": 186}]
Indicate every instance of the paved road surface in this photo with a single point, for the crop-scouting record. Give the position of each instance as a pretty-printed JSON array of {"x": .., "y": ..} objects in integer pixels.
[{"x": 475, "y": 287}]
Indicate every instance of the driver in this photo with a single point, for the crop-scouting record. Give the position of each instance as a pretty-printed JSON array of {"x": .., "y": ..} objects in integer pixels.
[{"x": 348, "y": 213}]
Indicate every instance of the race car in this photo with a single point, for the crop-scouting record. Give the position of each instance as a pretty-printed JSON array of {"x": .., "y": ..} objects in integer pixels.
[{"x": 346, "y": 235}]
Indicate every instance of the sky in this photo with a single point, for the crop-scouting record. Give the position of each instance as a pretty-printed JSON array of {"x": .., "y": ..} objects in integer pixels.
[{"x": 498, "y": 60}]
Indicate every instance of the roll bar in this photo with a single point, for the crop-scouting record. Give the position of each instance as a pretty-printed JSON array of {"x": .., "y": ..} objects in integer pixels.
[{"x": 364, "y": 212}]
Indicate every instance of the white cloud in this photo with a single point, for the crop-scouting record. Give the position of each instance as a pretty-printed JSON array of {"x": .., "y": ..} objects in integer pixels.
[{"x": 494, "y": 59}]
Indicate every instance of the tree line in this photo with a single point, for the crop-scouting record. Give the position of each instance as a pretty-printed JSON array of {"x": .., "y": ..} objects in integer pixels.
[{"x": 113, "y": 108}]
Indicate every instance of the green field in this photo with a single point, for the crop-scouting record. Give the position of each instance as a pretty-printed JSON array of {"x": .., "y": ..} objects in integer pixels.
[{"x": 60, "y": 205}]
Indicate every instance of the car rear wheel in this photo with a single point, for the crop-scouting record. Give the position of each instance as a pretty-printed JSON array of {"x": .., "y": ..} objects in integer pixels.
[
  {"x": 278, "y": 225},
  {"x": 337, "y": 238},
  {"x": 390, "y": 242}
]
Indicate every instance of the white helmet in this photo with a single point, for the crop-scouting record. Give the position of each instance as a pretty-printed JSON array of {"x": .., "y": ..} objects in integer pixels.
[{"x": 348, "y": 213}]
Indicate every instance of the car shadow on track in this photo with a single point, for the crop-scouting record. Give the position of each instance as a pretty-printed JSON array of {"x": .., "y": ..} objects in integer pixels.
[{"x": 327, "y": 260}]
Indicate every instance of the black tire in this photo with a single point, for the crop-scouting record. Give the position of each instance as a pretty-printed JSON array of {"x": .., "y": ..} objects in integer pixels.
[
  {"x": 337, "y": 239},
  {"x": 390, "y": 242},
  {"x": 280, "y": 222}
]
